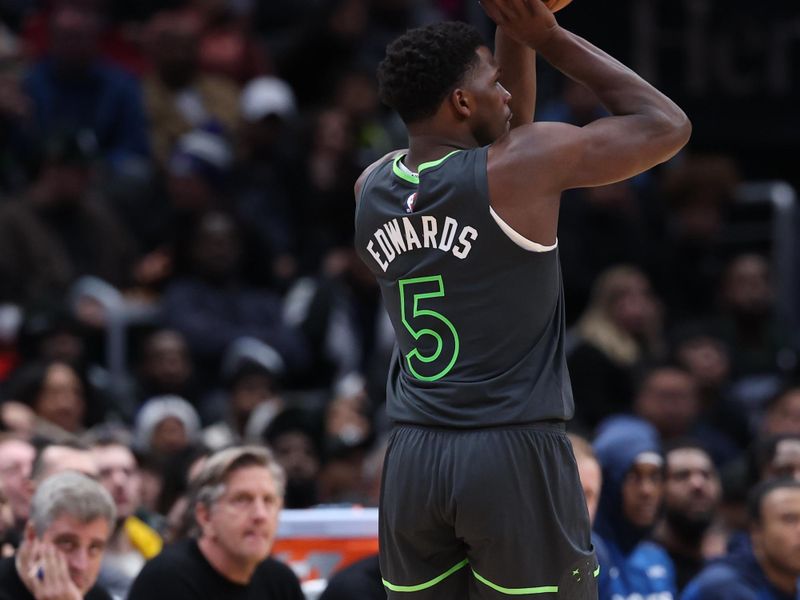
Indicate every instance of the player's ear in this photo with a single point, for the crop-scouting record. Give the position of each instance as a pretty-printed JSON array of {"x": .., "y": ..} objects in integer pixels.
[{"x": 461, "y": 102}]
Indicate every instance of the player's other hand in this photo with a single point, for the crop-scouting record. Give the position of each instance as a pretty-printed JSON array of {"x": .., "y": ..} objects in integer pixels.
[{"x": 529, "y": 22}]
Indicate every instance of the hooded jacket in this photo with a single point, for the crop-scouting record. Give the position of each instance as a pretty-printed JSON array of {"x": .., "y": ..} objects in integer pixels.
[
  {"x": 630, "y": 566},
  {"x": 737, "y": 576}
]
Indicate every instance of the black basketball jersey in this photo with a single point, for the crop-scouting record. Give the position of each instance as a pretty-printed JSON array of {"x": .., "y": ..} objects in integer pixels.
[{"x": 477, "y": 309}]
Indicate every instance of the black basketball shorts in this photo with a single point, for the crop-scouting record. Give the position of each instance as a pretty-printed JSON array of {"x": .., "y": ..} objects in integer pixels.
[{"x": 483, "y": 514}]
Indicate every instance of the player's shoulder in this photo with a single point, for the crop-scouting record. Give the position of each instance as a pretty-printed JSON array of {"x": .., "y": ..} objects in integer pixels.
[
  {"x": 369, "y": 170},
  {"x": 533, "y": 141}
]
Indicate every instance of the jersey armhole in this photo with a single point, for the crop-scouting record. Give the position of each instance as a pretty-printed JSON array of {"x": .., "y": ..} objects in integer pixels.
[
  {"x": 482, "y": 185},
  {"x": 519, "y": 239}
]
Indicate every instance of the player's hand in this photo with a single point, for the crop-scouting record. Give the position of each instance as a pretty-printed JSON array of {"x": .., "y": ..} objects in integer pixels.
[
  {"x": 529, "y": 22},
  {"x": 43, "y": 570}
]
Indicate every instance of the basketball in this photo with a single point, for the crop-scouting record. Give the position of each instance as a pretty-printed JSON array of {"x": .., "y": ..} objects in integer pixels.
[{"x": 556, "y": 5}]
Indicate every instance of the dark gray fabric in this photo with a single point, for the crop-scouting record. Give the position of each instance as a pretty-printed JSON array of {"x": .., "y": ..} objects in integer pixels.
[
  {"x": 507, "y": 499},
  {"x": 505, "y": 303}
]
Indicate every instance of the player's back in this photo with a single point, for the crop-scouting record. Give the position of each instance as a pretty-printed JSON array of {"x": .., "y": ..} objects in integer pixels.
[{"x": 477, "y": 309}]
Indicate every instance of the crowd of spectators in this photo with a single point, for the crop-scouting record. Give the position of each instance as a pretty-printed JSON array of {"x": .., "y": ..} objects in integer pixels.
[{"x": 177, "y": 277}]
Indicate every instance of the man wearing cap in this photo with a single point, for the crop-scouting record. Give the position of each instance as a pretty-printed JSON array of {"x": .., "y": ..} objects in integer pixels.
[
  {"x": 631, "y": 567},
  {"x": 270, "y": 170}
]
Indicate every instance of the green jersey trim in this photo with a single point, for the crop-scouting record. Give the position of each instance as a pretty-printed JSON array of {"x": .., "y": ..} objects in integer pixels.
[{"x": 407, "y": 175}]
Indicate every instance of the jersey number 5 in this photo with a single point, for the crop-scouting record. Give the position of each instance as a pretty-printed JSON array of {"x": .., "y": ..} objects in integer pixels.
[{"x": 441, "y": 350}]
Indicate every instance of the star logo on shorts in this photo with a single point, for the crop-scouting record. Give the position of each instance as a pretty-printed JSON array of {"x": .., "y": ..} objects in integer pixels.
[{"x": 410, "y": 202}]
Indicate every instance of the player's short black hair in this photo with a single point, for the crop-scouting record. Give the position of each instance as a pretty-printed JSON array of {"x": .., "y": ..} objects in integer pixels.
[{"x": 423, "y": 66}]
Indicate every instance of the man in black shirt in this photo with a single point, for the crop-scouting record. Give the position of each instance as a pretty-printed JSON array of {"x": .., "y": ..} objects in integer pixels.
[
  {"x": 70, "y": 521},
  {"x": 236, "y": 499}
]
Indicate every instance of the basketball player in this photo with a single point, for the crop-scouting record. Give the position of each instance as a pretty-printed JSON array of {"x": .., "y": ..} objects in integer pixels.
[{"x": 481, "y": 497}]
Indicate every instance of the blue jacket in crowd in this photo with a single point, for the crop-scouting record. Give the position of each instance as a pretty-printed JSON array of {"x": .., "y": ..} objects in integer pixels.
[
  {"x": 630, "y": 566},
  {"x": 737, "y": 576}
]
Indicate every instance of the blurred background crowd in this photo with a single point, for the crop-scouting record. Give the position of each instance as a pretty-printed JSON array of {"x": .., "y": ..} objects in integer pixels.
[{"x": 177, "y": 272}]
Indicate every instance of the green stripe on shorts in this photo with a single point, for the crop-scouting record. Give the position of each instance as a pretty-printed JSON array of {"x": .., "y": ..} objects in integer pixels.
[
  {"x": 427, "y": 584},
  {"x": 543, "y": 589}
]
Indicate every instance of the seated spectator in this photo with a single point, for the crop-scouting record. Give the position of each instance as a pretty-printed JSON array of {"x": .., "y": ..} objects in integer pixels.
[
  {"x": 174, "y": 499},
  {"x": 8, "y": 538},
  {"x": 633, "y": 486},
  {"x": 16, "y": 462},
  {"x": 165, "y": 426},
  {"x": 769, "y": 568},
  {"x": 696, "y": 194},
  {"x": 667, "y": 397},
  {"x": 228, "y": 47},
  {"x": 53, "y": 458},
  {"x": 52, "y": 332},
  {"x": 132, "y": 541},
  {"x": 119, "y": 43},
  {"x": 589, "y": 471},
  {"x": 361, "y": 580},
  {"x": 237, "y": 497},
  {"x": 377, "y": 131},
  {"x": 59, "y": 397},
  {"x": 763, "y": 353},
  {"x": 251, "y": 372},
  {"x": 212, "y": 304},
  {"x": 342, "y": 316},
  {"x": 692, "y": 495},
  {"x": 61, "y": 229},
  {"x": 268, "y": 173},
  {"x": 294, "y": 437},
  {"x": 618, "y": 331},
  {"x": 325, "y": 200},
  {"x": 65, "y": 538},
  {"x": 178, "y": 97},
  {"x": 72, "y": 88},
  {"x": 782, "y": 413},
  {"x": 599, "y": 228},
  {"x": 768, "y": 457},
  {"x": 198, "y": 175},
  {"x": 774, "y": 457},
  {"x": 707, "y": 358},
  {"x": 165, "y": 367}
]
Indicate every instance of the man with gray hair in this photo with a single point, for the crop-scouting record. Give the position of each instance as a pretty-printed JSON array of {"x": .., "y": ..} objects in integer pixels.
[
  {"x": 71, "y": 518},
  {"x": 236, "y": 499}
]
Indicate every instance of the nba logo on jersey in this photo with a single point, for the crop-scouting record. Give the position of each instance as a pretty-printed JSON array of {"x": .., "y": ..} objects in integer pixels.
[{"x": 410, "y": 202}]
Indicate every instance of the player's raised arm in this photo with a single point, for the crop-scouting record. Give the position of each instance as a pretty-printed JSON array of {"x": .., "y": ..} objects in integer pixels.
[
  {"x": 517, "y": 62},
  {"x": 645, "y": 129}
]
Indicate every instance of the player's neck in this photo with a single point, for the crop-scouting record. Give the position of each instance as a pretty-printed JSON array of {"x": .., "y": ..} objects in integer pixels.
[{"x": 430, "y": 145}]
